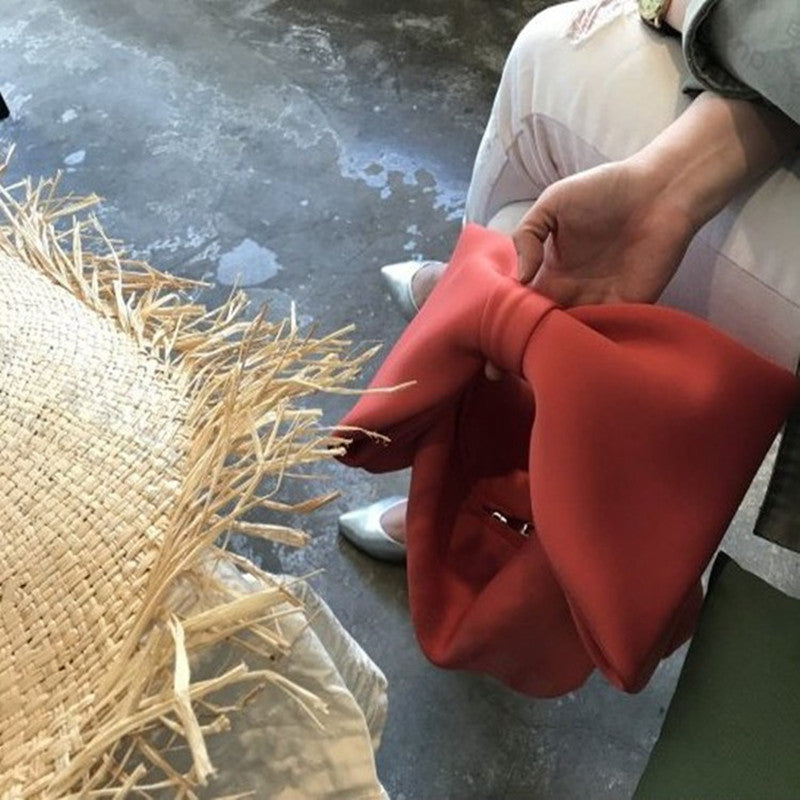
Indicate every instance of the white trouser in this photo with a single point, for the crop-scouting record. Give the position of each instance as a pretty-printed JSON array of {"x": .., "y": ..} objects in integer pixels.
[{"x": 586, "y": 83}]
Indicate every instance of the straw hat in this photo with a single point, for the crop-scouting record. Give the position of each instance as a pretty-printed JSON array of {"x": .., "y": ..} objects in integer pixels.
[{"x": 136, "y": 428}]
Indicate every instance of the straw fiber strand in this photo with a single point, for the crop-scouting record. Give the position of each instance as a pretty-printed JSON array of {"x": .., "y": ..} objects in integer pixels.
[{"x": 136, "y": 429}]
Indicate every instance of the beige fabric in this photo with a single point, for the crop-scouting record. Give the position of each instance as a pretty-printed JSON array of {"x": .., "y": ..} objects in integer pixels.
[
  {"x": 277, "y": 749},
  {"x": 587, "y": 83}
]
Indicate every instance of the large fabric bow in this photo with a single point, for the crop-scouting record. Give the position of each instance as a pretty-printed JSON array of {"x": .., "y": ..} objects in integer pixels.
[{"x": 560, "y": 519}]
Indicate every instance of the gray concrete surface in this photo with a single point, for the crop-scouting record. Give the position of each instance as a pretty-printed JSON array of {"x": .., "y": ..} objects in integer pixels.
[{"x": 303, "y": 143}]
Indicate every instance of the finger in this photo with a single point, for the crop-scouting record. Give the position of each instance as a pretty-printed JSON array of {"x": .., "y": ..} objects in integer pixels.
[
  {"x": 492, "y": 372},
  {"x": 530, "y": 237},
  {"x": 563, "y": 289}
]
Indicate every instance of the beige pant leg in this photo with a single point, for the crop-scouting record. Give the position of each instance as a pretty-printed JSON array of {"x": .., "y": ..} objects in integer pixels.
[{"x": 587, "y": 83}]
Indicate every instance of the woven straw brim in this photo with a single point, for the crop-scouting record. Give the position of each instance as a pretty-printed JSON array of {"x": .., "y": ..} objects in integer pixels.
[{"x": 135, "y": 430}]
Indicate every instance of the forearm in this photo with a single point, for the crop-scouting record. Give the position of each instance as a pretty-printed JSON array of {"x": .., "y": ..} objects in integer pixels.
[{"x": 715, "y": 149}]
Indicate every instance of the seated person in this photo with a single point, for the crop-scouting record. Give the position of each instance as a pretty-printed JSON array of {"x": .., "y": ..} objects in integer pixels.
[{"x": 640, "y": 163}]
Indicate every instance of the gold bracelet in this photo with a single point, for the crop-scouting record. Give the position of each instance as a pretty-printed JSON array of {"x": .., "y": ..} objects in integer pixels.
[{"x": 654, "y": 12}]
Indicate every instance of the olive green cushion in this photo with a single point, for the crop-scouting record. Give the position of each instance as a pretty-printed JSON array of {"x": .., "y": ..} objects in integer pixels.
[{"x": 732, "y": 731}]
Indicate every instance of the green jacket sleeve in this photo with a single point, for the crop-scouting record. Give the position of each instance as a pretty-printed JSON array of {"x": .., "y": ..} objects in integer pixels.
[{"x": 746, "y": 49}]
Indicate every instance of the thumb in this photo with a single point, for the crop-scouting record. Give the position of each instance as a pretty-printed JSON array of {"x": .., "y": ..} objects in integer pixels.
[{"x": 530, "y": 236}]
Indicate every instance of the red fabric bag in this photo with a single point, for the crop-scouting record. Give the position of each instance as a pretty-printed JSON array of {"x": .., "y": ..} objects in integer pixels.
[{"x": 617, "y": 449}]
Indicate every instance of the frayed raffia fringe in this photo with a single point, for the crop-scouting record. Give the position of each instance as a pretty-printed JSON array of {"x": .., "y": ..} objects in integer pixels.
[{"x": 243, "y": 381}]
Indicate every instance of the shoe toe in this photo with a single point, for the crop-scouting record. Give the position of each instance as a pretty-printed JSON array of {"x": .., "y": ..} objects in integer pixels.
[
  {"x": 362, "y": 528},
  {"x": 398, "y": 278}
]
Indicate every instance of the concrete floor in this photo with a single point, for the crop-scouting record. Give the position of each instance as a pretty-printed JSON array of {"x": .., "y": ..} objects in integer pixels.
[{"x": 303, "y": 143}]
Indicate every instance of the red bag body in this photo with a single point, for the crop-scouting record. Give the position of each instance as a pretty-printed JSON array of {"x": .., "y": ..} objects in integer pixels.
[{"x": 624, "y": 435}]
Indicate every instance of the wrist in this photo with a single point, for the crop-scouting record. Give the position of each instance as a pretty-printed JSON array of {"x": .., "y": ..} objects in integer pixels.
[
  {"x": 712, "y": 151},
  {"x": 679, "y": 198},
  {"x": 675, "y": 14}
]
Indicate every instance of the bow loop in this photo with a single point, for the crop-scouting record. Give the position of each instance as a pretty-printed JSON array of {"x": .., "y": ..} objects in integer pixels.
[{"x": 510, "y": 316}]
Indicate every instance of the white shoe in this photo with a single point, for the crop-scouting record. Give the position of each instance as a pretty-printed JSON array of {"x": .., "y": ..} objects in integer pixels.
[
  {"x": 398, "y": 278},
  {"x": 362, "y": 528}
]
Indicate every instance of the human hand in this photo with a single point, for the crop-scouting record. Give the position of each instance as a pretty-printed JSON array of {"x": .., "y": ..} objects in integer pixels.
[
  {"x": 610, "y": 234},
  {"x": 606, "y": 235},
  {"x": 617, "y": 233}
]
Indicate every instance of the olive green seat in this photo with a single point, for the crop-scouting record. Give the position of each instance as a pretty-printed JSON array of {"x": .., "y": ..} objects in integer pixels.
[{"x": 732, "y": 730}]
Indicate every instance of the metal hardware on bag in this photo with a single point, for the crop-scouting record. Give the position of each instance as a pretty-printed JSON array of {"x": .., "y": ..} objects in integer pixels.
[{"x": 522, "y": 527}]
